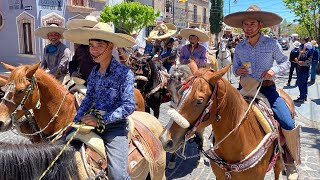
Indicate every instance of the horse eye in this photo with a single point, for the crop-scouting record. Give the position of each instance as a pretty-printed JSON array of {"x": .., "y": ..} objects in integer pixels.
[
  {"x": 199, "y": 101},
  {"x": 20, "y": 91}
]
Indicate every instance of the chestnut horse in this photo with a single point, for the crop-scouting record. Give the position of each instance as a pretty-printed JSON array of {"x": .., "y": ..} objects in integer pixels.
[
  {"x": 53, "y": 107},
  {"x": 233, "y": 141}
]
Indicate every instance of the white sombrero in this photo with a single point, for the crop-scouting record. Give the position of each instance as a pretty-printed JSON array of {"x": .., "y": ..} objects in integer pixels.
[
  {"x": 43, "y": 31},
  {"x": 203, "y": 37},
  {"x": 101, "y": 31},
  {"x": 253, "y": 12},
  {"x": 163, "y": 31},
  {"x": 89, "y": 21}
]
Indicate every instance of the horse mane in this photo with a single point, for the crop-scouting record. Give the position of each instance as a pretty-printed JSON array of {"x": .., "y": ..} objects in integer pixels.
[
  {"x": 29, "y": 161},
  {"x": 154, "y": 76}
]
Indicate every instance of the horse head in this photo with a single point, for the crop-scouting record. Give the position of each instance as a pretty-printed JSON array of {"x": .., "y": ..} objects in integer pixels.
[
  {"x": 142, "y": 69},
  {"x": 21, "y": 94},
  {"x": 194, "y": 100},
  {"x": 223, "y": 45}
]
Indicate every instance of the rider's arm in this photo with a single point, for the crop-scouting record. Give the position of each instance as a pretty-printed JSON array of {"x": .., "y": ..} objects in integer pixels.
[
  {"x": 44, "y": 62},
  {"x": 63, "y": 65},
  {"x": 184, "y": 56},
  {"x": 202, "y": 57},
  {"x": 88, "y": 100},
  {"x": 127, "y": 100},
  {"x": 282, "y": 60},
  {"x": 236, "y": 61}
]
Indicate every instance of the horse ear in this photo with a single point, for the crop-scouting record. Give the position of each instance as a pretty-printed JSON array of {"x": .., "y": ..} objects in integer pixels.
[
  {"x": 218, "y": 74},
  {"x": 32, "y": 69},
  {"x": 8, "y": 66}
]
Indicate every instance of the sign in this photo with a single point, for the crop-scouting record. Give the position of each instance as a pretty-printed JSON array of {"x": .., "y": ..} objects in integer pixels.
[
  {"x": 28, "y": 8},
  {"x": 181, "y": 24},
  {"x": 50, "y": 4}
]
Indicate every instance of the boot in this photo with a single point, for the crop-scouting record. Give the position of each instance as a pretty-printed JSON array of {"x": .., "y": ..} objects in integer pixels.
[
  {"x": 291, "y": 172},
  {"x": 293, "y": 143}
]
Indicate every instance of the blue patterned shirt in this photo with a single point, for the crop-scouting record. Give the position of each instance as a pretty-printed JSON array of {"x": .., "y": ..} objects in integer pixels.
[
  {"x": 111, "y": 92},
  {"x": 261, "y": 56}
]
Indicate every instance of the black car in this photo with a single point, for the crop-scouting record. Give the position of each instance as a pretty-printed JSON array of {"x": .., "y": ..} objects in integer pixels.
[{"x": 284, "y": 43}]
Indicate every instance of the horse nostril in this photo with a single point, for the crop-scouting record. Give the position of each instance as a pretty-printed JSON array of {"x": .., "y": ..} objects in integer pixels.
[
  {"x": 169, "y": 144},
  {"x": 1, "y": 125}
]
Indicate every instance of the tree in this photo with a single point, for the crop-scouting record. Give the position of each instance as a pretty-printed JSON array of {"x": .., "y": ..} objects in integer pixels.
[
  {"x": 216, "y": 18},
  {"x": 307, "y": 12},
  {"x": 129, "y": 16}
]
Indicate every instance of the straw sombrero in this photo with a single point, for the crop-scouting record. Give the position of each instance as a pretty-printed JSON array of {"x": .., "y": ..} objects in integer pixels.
[
  {"x": 101, "y": 31},
  {"x": 43, "y": 31},
  {"x": 314, "y": 42},
  {"x": 89, "y": 21},
  {"x": 203, "y": 37},
  {"x": 163, "y": 31},
  {"x": 253, "y": 12}
]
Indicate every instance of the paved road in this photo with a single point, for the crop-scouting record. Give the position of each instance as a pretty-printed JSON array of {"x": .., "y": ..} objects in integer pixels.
[{"x": 308, "y": 115}]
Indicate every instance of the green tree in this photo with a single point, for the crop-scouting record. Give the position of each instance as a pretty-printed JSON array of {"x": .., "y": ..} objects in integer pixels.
[
  {"x": 216, "y": 18},
  {"x": 301, "y": 30},
  {"x": 129, "y": 16},
  {"x": 308, "y": 15}
]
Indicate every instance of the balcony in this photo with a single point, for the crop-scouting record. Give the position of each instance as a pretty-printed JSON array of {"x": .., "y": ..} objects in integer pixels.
[
  {"x": 80, "y": 6},
  {"x": 194, "y": 18}
]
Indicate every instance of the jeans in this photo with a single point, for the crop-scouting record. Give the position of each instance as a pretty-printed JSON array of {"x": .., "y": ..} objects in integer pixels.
[
  {"x": 115, "y": 138},
  {"x": 303, "y": 75},
  {"x": 278, "y": 106},
  {"x": 292, "y": 67},
  {"x": 313, "y": 70}
]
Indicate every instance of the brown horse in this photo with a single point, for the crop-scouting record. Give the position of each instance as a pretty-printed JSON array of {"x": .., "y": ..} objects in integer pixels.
[
  {"x": 53, "y": 107},
  {"x": 228, "y": 106}
]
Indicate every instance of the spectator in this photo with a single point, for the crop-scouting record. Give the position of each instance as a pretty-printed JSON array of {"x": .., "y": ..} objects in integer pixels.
[
  {"x": 315, "y": 60},
  {"x": 293, "y": 54}
]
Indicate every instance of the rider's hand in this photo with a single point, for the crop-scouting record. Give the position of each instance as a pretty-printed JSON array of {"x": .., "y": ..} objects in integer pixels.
[
  {"x": 268, "y": 74},
  {"x": 242, "y": 70},
  {"x": 89, "y": 120}
]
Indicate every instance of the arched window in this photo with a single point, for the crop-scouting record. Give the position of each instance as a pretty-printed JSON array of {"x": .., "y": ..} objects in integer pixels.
[
  {"x": 1, "y": 19},
  {"x": 25, "y": 23}
]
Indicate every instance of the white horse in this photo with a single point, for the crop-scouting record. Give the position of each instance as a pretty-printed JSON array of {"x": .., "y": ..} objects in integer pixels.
[{"x": 224, "y": 57}]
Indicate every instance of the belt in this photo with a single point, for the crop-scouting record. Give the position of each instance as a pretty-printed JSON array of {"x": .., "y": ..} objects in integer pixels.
[{"x": 266, "y": 83}]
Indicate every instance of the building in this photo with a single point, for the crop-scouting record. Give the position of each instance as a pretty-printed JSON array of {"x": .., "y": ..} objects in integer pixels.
[{"x": 20, "y": 18}]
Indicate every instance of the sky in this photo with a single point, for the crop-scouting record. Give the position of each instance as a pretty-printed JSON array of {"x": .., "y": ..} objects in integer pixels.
[{"x": 275, "y": 6}]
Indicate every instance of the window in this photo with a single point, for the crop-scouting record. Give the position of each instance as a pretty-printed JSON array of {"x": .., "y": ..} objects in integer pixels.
[
  {"x": 168, "y": 6},
  {"x": 1, "y": 20},
  {"x": 78, "y": 2},
  {"x": 195, "y": 13},
  {"x": 204, "y": 15},
  {"x": 25, "y": 23}
]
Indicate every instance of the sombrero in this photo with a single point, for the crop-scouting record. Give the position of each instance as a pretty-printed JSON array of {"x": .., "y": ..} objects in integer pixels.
[
  {"x": 43, "y": 31},
  {"x": 314, "y": 42},
  {"x": 101, "y": 31},
  {"x": 163, "y": 31},
  {"x": 89, "y": 21},
  {"x": 253, "y": 12},
  {"x": 203, "y": 37}
]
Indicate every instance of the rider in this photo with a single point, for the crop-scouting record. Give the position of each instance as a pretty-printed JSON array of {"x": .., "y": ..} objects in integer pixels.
[
  {"x": 82, "y": 62},
  {"x": 56, "y": 55},
  {"x": 109, "y": 99},
  {"x": 261, "y": 52},
  {"x": 194, "y": 53}
]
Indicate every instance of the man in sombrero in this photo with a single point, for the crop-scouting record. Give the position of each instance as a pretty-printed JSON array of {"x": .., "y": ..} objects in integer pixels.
[
  {"x": 109, "y": 98},
  {"x": 255, "y": 57},
  {"x": 82, "y": 62},
  {"x": 56, "y": 55},
  {"x": 194, "y": 54}
]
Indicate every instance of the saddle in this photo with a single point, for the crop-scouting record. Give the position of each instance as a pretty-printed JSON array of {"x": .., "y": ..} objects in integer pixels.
[{"x": 142, "y": 145}]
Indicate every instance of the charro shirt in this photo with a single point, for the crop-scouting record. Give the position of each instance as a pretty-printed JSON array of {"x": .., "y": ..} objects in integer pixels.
[
  {"x": 111, "y": 92},
  {"x": 57, "y": 62},
  {"x": 199, "y": 53},
  {"x": 261, "y": 56}
]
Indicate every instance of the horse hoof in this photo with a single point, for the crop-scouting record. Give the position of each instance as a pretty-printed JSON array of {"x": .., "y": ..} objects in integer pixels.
[{"x": 171, "y": 165}]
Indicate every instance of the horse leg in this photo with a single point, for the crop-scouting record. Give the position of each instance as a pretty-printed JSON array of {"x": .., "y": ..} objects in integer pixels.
[
  {"x": 172, "y": 161},
  {"x": 156, "y": 111},
  {"x": 277, "y": 169}
]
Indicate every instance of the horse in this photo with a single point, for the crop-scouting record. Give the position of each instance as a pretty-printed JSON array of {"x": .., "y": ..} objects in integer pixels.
[
  {"x": 29, "y": 161},
  {"x": 31, "y": 88},
  {"x": 209, "y": 99},
  {"x": 151, "y": 83},
  {"x": 224, "y": 57}
]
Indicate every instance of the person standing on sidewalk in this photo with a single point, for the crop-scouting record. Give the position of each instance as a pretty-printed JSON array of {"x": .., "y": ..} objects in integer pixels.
[
  {"x": 315, "y": 60},
  {"x": 260, "y": 52},
  {"x": 293, "y": 54}
]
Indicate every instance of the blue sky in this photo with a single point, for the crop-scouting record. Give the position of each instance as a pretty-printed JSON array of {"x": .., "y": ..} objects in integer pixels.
[{"x": 275, "y": 6}]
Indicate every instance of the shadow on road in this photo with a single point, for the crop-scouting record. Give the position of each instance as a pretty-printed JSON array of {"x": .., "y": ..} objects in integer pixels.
[{"x": 313, "y": 136}]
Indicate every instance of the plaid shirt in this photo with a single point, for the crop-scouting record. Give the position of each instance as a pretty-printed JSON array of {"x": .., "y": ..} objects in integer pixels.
[
  {"x": 261, "y": 56},
  {"x": 111, "y": 92}
]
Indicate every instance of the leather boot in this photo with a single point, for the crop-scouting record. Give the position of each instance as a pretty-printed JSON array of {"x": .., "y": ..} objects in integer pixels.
[{"x": 293, "y": 143}]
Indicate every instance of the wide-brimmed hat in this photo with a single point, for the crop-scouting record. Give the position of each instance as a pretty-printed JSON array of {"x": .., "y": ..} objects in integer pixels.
[
  {"x": 163, "y": 31},
  {"x": 203, "y": 37},
  {"x": 89, "y": 21},
  {"x": 102, "y": 31},
  {"x": 296, "y": 44},
  {"x": 253, "y": 12},
  {"x": 314, "y": 42},
  {"x": 43, "y": 31}
]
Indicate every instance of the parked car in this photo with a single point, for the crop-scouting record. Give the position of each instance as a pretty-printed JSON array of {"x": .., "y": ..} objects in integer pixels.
[{"x": 284, "y": 42}]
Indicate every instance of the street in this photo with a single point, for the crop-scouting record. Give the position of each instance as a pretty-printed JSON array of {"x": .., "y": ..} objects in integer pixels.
[{"x": 308, "y": 116}]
